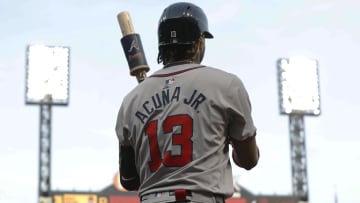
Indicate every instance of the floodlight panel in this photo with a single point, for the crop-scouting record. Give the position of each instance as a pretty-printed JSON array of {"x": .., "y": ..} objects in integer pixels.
[
  {"x": 299, "y": 86},
  {"x": 47, "y": 74}
]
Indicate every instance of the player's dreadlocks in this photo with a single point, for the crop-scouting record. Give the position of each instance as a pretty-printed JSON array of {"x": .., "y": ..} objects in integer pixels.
[{"x": 179, "y": 52}]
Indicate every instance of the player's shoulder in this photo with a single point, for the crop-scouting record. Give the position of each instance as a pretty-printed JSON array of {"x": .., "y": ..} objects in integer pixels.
[
  {"x": 220, "y": 74},
  {"x": 227, "y": 79},
  {"x": 138, "y": 91},
  {"x": 219, "y": 71}
]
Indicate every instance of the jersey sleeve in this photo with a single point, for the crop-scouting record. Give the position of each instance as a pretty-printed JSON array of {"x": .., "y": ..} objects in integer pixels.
[
  {"x": 241, "y": 125},
  {"x": 122, "y": 127}
]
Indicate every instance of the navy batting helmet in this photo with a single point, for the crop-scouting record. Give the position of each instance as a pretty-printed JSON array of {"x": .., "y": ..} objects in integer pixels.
[{"x": 182, "y": 23}]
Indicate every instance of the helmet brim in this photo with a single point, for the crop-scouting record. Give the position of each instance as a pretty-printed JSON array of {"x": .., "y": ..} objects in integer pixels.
[{"x": 208, "y": 35}]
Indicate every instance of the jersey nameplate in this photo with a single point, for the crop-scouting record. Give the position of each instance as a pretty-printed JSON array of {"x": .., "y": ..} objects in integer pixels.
[{"x": 161, "y": 99}]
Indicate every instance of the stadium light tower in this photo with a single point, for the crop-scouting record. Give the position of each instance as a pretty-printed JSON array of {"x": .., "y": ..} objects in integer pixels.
[
  {"x": 298, "y": 81},
  {"x": 47, "y": 84}
]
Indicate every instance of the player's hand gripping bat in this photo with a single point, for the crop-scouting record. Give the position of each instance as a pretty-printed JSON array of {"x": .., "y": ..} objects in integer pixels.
[{"x": 132, "y": 47}]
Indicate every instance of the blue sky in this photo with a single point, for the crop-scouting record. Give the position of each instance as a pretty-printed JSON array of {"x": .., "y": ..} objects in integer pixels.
[{"x": 249, "y": 37}]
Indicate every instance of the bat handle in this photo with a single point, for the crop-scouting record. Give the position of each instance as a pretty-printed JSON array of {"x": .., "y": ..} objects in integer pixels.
[{"x": 141, "y": 75}]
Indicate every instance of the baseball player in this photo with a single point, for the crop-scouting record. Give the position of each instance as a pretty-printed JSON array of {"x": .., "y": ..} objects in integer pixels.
[{"x": 175, "y": 127}]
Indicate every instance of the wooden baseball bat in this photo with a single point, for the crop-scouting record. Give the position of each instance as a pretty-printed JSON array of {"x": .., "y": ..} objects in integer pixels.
[{"x": 132, "y": 47}]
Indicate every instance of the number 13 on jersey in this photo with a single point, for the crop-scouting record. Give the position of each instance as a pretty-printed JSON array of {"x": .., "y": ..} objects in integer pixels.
[{"x": 182, "y": 139}]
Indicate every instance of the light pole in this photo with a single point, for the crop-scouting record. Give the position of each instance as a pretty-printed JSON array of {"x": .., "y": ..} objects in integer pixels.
[
  {"x": 47, "y": 84},
  {"x": 298, "y": 80}
]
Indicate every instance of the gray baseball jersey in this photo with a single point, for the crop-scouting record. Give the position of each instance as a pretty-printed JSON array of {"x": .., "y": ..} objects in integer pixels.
[{"x": 178, "y": 120}]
